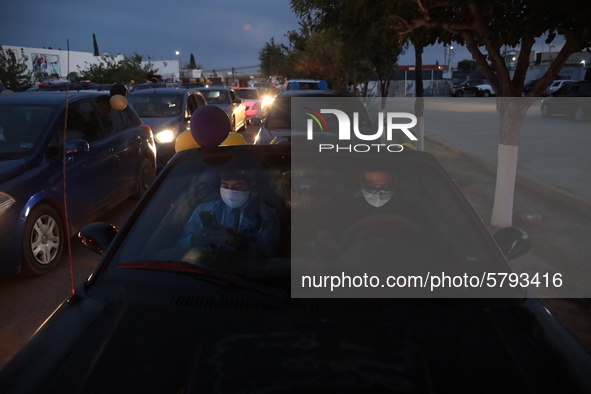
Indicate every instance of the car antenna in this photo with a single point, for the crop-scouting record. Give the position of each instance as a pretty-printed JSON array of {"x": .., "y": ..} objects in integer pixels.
[{"x": 73, "y": 299}]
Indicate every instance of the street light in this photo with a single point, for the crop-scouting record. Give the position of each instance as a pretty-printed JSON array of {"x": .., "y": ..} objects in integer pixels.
[{"x": 179, "y": 55}]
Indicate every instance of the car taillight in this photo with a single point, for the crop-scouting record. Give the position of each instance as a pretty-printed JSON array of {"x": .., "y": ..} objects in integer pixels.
[{"x": 256, "y": 106}]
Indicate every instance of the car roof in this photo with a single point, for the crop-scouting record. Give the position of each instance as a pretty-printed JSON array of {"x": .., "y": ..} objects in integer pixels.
[
  {"x": 304, "y": 80},
  {"x": 48, "y": 98},
  {"x": 166, "y": 91},
  {"x": 315, "y": 93},
  {"x": 215, "y": 87}
]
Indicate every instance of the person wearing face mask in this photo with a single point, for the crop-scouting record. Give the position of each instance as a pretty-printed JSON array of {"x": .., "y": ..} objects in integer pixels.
[
  {"x": 237, "y": 222},
  {"x": 377, "y": 195}
]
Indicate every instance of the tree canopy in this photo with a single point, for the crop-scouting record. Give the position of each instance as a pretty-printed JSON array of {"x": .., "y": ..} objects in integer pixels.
[
  {"x": 111, "y": 70},
  {"x": 13, "y": 70}
]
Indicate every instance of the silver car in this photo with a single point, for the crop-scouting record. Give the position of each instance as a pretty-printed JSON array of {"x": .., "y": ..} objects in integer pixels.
[
  {"x": 277, "y": 124},
  {"x": 228, "y": 100}
]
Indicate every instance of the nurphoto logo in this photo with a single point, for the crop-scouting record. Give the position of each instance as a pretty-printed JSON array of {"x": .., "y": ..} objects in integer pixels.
[{"x": 345, "y": 126}]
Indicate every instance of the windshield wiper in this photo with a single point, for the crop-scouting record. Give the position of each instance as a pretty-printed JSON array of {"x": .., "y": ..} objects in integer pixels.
[{"x": 226, "y": 277}]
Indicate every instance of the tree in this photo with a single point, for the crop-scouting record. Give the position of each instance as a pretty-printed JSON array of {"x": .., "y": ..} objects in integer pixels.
[
  {"x": 466, "y": 65},
  {"x": 73, "y": 76},
  {"x": 368, "y": 47},
  {"x": 491, "y": 25},
  {"x": 110, "y": 70},
  {"x": 192, "y": 64},
  {"x": 273, "y": 58},
  {"x": 14, "y": 72},
  {"x": 95, "y": 45}
]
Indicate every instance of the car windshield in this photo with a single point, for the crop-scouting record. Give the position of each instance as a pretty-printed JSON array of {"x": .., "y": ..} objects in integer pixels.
[
  {"x": 248, "y": 94},
  {"x": 279, "y": 115},
  {"x": 195, "y": 195},
  {"x": 288, "y": 207},
  {"x": 156, "y": 105},
  {"x": 216, "y": 96},
  {"x": 21, "y": 126}
]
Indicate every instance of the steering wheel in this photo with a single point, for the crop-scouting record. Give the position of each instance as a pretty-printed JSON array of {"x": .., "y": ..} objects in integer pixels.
[{"x": 361, "y": 228}]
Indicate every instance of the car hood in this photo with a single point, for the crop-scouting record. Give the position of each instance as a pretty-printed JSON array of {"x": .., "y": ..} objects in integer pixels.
[
  {"x": 157, "y": 124},
  {"x": 11, "y": 168},
  {"x": 236, "y": 345}
]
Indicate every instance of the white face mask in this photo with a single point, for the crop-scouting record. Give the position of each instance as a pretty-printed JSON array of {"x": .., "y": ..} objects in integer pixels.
[
  {"x": 234, "y": 198},
  {"x": 378, "y": 198}
]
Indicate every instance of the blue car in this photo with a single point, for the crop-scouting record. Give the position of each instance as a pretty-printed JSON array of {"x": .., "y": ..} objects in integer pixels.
[
  {"x": 168, "y": 112},
  {"x": 109, "y": 156}
]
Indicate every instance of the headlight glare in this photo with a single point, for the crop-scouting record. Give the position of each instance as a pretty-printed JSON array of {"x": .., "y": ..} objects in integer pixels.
[{"x": 166, "y": 136}]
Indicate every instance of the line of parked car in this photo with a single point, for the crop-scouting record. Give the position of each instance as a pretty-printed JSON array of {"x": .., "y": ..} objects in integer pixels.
[
  {"x": 111, "y": 155},
  {"x": 481, "y": 88}
]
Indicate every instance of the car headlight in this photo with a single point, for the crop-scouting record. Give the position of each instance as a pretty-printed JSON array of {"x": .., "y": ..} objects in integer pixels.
[
  {"x": 5, "y": 202},
  {"x": 267, "y": 101},
  {"x": 165, "y": 136}
]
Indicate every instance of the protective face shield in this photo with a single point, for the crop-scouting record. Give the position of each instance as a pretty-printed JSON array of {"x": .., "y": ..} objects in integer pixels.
[{"x": 234, "y": 198}]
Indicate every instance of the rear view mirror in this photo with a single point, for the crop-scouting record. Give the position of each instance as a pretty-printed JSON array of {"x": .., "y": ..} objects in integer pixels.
[
  {"x": 77, "y": 146},
  {"x": 97, "y": 236},
  {"x": 257, "y": 121},
  {"x": 513, "y": 242}
]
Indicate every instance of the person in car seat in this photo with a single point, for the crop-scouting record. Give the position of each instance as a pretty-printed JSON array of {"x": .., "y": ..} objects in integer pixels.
[{"x": 239, "y": 221}]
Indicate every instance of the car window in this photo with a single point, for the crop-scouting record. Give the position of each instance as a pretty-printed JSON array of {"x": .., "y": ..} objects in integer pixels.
[
  {"x": 110, "y": 119},
  {"x": 157, "y": 105},
  {"x": 193, "y": 185},
  {"x": 217, "y": 96},
  {"x": 248, "y": 94},
  {"x": 279, "y": 115},
  {"x": 200, "y": 100},
  {"x": 301, "y": 196},
  {"x": 21, "y": 127},
  {"x": 192, "y": 104},
  {"x": 130, "y": 118},
  {"x": 83, "y": 122}
]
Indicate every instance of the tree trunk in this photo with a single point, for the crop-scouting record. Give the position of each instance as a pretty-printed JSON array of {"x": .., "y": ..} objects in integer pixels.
[
  {"x": 419, "y": 101},
  {"x": 511, "y": 114}
]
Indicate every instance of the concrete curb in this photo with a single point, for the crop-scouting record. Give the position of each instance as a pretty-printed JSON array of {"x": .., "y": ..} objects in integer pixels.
[{"x": 555, "y": 193}]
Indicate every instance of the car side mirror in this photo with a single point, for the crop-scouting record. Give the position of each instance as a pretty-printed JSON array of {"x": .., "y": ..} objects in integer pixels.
[
  {"x": 513, "y": 242},
  {"x": 98, "y": 236},
  {"x": 238, "y": 101},
  {"x": 77, "y": 146},
  {"x": 257, "y": 121}
]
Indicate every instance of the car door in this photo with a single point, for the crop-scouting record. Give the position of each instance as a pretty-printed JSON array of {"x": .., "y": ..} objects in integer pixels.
[
  {"x": 239, "y": 109},
  {"x": 192, "y": 105},
  {"x": 123, "y": 146},
  {"x": 88, "y": 173},
  {"x": 562, "y": 103}
]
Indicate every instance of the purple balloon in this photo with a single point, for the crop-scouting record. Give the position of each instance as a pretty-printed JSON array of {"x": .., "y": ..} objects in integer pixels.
[{"x": 210, "y": 125}]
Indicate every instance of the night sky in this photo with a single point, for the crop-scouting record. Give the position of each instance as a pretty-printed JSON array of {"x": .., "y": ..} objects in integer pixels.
[{"x": 221, "y": 34}]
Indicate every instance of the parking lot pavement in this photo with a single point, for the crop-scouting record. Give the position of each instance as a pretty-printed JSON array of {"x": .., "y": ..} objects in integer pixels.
[
  {"x": 559, "y": 233},
  {"x": 553, "y": 160}
]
